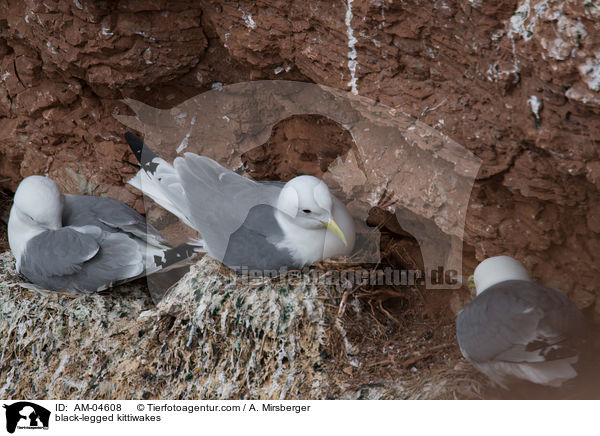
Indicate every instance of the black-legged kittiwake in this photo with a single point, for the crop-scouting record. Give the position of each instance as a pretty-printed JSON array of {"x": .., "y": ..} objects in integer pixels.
[
  {"x": 248, "y": 225},
  {"x": 82, "y": 244},
  {"x": 516, "y": 329}
]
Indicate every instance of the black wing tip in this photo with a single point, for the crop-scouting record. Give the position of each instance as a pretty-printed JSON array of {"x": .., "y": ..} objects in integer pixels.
[
  {"x": 177, "y": 255},
  {"x": 142, "y": 152},
  {"x": 135, "y": 144}
]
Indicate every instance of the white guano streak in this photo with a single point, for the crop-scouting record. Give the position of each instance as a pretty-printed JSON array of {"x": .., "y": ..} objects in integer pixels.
[{"x": 352, "y": 49}]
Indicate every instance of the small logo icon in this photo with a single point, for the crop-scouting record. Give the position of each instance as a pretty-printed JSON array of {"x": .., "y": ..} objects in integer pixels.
[{"x": 26, "y": 415}]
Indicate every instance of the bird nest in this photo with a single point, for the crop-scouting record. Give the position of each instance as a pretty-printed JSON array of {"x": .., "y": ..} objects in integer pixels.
[{"x": 216, "y": 336}]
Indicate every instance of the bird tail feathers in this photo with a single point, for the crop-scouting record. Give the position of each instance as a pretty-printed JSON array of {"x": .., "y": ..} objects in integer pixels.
[{"x": 158, "y": 180}]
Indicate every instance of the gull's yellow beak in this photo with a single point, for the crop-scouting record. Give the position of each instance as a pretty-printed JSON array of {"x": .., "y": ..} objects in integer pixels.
[{"x": 333, "y": 226}]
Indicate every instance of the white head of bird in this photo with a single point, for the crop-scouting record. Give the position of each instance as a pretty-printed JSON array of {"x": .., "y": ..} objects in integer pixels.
[
  {"x": 498, "y": 269},
  {"x": 37, "y": 207},
  {"x": 306, "y": 201}
]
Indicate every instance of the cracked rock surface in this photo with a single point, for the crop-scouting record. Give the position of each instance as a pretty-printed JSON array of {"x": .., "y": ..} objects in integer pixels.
[{"x": 516, "y": 83}]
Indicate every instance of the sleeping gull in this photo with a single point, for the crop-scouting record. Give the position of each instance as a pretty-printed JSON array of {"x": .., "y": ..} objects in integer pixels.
[
  {"x": 82, "y": 244},
  {"x": 518, "y": 329},
  {"x": 248, "y": 225}
]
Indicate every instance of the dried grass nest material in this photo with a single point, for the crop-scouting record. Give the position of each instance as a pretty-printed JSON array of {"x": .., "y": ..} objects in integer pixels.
[{"x": 212, "y": 337}]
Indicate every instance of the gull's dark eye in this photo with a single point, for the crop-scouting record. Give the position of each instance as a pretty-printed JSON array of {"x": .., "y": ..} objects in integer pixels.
[{"x": 306, "y": 210}]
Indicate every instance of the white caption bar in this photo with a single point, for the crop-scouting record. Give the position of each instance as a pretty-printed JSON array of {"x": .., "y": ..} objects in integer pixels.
[{"x": 89, "y": 418}]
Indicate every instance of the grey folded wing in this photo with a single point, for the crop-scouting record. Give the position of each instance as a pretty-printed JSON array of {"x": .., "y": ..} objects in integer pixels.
[
  {"x": 111, "y": 216},
  {"x": 219, "y": 199},
  {"x": 254, "y": 244},
  {"x": 85, "y": 259},
  {"x": 519, "y": 321}
]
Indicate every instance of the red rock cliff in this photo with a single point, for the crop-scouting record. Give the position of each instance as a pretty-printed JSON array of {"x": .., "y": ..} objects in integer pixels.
[{"x": 516, "y": 82}]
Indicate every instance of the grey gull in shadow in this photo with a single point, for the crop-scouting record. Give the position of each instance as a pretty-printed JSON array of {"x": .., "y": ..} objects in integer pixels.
[
  {"x": 83, "y": 244},
  {"x": 246, "y": 224},
  {"x": 516, "y": 329}
]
